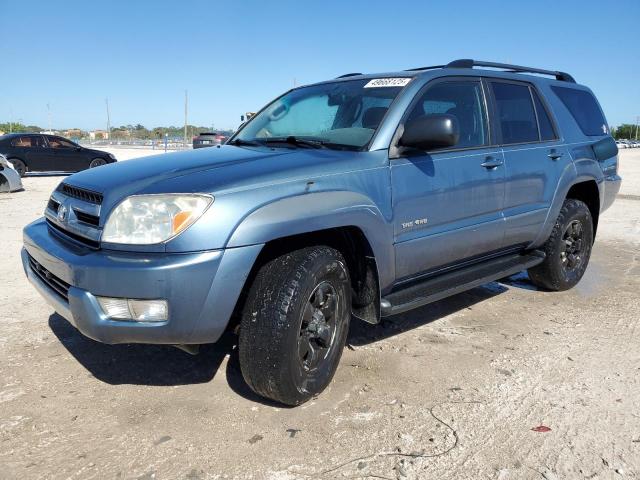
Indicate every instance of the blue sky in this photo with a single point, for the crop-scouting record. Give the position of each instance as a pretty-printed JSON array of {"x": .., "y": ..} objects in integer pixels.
[{"x": 234, "y": 57}]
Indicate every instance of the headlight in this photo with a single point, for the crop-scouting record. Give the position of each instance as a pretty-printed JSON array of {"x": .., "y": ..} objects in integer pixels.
[{"x": 148, "y": 219}]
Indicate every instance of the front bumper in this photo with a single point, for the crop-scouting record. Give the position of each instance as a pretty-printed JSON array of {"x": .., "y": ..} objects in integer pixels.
[{"x": 201, "y": 288}]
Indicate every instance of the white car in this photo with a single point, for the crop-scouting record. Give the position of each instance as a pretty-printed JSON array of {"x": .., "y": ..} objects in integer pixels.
[
  {"x": 9, "y": 179},
  {"x": 621, "y": 144}
]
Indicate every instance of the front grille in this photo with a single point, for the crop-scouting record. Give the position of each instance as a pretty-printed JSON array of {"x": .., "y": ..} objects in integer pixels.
[
  {"x": 56, "y": 284},
  {"x": 86, "y": 218},
  {"x": 78, "y": 238},
  {"x": 53, "y": 205},
  {"x": 81, "y": 193}
]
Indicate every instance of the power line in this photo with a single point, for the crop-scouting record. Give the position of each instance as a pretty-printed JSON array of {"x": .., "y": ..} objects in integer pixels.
[
  {"x": 186, "y": 99},
  {"x": 106, "y": 100}
]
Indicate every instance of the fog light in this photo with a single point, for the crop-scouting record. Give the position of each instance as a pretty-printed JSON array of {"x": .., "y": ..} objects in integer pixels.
[{"x": 136, "y": 310}]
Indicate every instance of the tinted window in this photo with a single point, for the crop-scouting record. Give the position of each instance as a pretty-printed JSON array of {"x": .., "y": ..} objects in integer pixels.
[
  {"x": 584, "y": 109},
  {"x": 516, "y": 115},
  {"x": 464, "y": 101},
  {"x": 28, "y": 142},
  {"x": 56, "y": 142},
  {"x": 544, "y": 122}
]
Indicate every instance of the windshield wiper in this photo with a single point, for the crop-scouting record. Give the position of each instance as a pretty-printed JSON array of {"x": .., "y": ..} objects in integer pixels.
[
  {"x": 238, "y": 142},
  {"x": 295, "y": 141}
]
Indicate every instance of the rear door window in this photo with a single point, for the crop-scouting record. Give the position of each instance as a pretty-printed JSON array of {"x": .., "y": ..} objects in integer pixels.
[
  {"x": 516, "y": 114},
  {"x": 584, "y": 109},
  {"x": 24, "y": 142}
]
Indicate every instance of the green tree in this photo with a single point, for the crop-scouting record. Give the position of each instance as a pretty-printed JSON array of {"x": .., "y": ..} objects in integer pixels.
[
  {"x": 14, "y": 127},
  {"x": 626, "y": 131}
]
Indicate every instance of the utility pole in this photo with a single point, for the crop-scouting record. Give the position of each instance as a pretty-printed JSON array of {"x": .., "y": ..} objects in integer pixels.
[
  {"x": 637, "y": 121},
  {"x": 106, "y": 100},
  {"x": 49, "y": 114},
  {"x": 185, "y": 118}
]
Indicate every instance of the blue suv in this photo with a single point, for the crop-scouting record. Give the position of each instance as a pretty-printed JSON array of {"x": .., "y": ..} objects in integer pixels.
[{"x": 363, "y": 196}]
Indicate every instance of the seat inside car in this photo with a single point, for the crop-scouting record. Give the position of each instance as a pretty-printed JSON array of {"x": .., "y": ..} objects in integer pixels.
[{"x": 372, "y": 117}]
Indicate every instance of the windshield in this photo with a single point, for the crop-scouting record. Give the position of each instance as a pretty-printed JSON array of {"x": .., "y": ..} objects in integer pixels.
[{"x": 342, "y": 114}]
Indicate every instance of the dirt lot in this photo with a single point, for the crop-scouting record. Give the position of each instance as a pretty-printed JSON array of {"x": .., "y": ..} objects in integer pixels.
[{"x": 452, "y": 390}]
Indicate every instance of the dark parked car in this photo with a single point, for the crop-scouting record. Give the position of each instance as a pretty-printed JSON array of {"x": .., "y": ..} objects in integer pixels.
[
  {"x": 31, "y": 152},
  {"x": 208, "y": 139}
]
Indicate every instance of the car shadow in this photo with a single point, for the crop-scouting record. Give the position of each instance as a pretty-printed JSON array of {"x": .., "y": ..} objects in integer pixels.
[
  {"x": 159, "y": 365},
  {"x": 47, "y": 174},
  {"x": 139, "y": 364}
]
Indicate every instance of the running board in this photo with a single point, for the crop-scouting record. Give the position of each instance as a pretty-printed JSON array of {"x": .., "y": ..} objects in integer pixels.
[{"x": 445, "y": 285}]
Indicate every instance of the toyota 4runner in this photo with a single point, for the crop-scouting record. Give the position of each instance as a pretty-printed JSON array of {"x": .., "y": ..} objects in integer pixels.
[{"x": 363, "y": 196}]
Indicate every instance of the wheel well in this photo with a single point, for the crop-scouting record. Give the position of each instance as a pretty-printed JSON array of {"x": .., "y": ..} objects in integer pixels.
[
  {"x": 588, "y": 193},
  {"x": 357, "y": 252}
]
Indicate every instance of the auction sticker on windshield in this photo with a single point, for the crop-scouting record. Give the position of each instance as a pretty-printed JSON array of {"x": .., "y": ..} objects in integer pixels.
[{"x": 388, "y": 82}]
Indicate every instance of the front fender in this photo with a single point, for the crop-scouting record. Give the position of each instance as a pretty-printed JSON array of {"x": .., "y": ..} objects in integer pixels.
[{"x": 313, "y": 212}]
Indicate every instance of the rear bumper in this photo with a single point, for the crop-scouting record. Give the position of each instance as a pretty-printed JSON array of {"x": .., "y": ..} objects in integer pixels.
[
  {"x": 201, "y": 287},
  {"x": 611, "y": 189}
]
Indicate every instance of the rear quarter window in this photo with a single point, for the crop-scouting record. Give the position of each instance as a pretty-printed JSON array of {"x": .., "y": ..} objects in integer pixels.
[{"x": 585, "y": 110}]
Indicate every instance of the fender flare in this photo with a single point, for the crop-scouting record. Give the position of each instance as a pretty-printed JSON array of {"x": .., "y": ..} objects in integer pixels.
[
  {"x": 312, "y": 212},
  {"x": 568, "y": 179}
]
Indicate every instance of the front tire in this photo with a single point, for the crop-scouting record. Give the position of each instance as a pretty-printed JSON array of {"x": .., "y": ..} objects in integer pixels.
[
  {"x": 294, "y": 324},
  {"x": 97, "y": 162},
  {"x": 568, "y": 249}
]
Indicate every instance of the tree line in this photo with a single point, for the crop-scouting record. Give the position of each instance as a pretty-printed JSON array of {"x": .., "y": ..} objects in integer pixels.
[{"x": 626, "y": 131}]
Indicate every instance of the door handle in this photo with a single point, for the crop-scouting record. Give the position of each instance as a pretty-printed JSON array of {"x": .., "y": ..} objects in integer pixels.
[
  {"x": 553, "y": 155},
  {"x": 491, "y": 163}
]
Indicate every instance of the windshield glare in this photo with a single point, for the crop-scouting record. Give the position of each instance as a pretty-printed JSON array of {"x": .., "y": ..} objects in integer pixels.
[{"x": 340, "y": 114}]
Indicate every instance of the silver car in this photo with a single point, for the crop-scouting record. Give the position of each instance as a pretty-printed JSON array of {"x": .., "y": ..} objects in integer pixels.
[{"x": 9, "y": 178}]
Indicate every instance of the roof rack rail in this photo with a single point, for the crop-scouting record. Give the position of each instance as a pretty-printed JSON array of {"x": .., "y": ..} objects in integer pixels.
[
  {"x": 469, "y": 63},
  {"x": 432, "y": 67},
  {"x": 349, "y": 75}
]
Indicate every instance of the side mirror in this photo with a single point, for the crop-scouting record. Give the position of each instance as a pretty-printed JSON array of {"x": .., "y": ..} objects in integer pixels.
[{"x": 429, "y": 132}]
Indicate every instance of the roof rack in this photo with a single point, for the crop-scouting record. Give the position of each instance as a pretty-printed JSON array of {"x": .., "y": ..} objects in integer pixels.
[
  {"x": 349, "y": 75},
  {"x": 432, "y": 67},
  {"x": 469, "y": 63}
]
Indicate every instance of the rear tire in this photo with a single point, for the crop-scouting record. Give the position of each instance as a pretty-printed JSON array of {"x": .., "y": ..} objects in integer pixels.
[
  {"x": 294, "y": 324},
  {"x": 97, "y": 162},
  {"x": 19, "y": 166},
  {"x": 568, "y": 249}
]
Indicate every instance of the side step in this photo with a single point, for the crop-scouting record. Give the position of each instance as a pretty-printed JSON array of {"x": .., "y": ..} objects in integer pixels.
[{"x": 451, "y": 283}]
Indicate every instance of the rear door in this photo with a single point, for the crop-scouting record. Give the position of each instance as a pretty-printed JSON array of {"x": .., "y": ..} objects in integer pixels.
[
  {"x": 448, "y": 203},
  {"x": 534, "y": 155},
  {"x": 31, "y": 149}
]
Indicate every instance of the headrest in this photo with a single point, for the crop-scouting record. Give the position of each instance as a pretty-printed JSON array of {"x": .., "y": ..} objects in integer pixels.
[{"x": 372, "y": 117}]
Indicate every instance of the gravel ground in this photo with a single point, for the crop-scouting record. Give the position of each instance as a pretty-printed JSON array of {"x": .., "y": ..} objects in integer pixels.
[{"x": 454, "y": 390}]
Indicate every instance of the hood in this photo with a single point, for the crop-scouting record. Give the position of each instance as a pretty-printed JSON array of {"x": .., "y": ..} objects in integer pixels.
[{"x": 212, "y": 170}]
